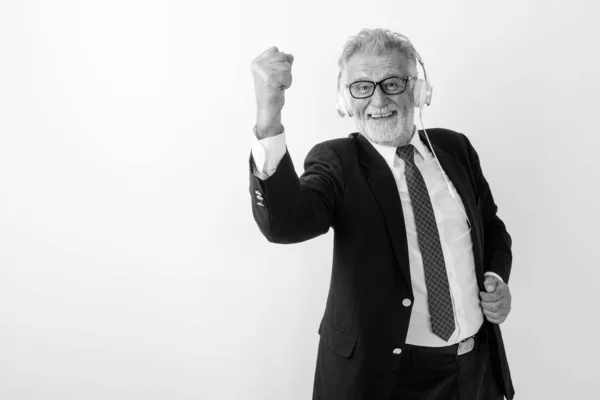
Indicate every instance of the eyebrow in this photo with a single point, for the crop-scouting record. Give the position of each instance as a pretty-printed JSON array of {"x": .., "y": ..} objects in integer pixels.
[{"x": 362, "y": 78}]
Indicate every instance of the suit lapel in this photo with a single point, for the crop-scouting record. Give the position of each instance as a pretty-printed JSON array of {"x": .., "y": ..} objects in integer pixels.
[{"x": 383, "y": 185}]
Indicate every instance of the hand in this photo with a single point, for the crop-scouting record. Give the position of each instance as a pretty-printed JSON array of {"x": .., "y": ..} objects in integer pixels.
[
  {"x": 496, "y": 300},
  {"x": 272, "y": 73}
]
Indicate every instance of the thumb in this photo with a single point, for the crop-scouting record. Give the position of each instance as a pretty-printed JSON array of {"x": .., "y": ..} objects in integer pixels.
[{"x": 490, "y": 283}]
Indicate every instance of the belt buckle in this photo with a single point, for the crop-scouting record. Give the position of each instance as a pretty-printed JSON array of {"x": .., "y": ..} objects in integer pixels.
[{"x": 465, "y": 346}]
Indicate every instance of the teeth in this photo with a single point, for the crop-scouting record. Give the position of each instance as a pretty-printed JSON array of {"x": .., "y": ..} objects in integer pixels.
[{"x": 382, "y": 115}]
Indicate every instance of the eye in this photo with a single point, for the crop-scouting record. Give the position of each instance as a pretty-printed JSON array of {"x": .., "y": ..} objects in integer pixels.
[
  {"x": 394, "y": 85},
  {"x": 361, "y": 89}
]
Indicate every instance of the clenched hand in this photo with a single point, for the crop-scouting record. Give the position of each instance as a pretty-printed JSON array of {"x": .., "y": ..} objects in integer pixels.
[
  {"x": 496, "y": 300},
  {"x": 272, "y": 73}
]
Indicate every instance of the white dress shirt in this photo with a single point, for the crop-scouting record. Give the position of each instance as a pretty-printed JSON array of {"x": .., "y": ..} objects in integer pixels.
[{"x": 455, "y": 239}]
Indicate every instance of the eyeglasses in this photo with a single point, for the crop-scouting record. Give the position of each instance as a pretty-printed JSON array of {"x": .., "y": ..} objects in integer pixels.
[{"x": 392, "y": 85}]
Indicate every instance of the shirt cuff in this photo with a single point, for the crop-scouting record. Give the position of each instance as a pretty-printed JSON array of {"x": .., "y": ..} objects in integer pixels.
[
  {"x": 267, "y": 153},
  {"x": 493, "y": 274}
]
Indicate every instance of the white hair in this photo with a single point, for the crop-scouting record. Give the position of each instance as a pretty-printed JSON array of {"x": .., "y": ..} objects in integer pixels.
[{"x": 377, "y": 41}]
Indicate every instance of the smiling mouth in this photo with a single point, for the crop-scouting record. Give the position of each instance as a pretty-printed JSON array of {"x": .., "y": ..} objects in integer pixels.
[{"x": 386, "y": 115}]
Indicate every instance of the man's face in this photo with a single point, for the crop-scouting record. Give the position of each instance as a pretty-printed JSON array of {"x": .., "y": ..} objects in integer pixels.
[{"x": 370, "y": 113}]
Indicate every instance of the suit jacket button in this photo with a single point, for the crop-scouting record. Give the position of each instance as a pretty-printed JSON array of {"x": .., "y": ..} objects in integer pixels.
[
  {"x": 397, "y": 351},
  {"x": 406, "y": 302}
]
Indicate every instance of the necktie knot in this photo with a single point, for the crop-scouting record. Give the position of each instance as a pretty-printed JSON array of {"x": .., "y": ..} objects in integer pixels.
[{"x": 406, "y": 153}]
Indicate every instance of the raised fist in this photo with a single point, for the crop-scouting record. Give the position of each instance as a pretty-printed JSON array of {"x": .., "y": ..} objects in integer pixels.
[{"x": 272, "y": 73}]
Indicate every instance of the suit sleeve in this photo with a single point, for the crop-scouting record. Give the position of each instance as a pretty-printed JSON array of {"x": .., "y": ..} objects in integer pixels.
[
  {"x": 292, "y": 209},
  {"x": 497, "y": 243}
]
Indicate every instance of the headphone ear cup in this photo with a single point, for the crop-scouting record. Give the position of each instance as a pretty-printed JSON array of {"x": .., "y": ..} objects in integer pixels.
[
  {"x": 342, "y": 105},
  {"x": 428, "y": 93},
  {"x": 418, "y": 93},
  {"x": 339, "y": 104},
  {"x": 422, "y": 93}
]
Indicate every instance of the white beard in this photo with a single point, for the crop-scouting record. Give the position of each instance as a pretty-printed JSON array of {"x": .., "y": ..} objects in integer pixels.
[{"x": 395, "y": 131}]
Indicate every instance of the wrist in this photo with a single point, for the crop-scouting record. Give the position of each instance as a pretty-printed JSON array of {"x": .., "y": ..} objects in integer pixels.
[
  {"x": 267, "y": 132},
  {"x": 268, "y": 124}
]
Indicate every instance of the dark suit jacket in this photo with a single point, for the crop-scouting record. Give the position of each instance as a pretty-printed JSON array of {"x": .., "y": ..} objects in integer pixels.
[{"x": 348, "y": 186}]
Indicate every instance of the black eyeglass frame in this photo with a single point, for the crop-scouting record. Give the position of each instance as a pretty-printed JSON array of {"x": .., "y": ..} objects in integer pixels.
[{"x": 375, "y": 84}]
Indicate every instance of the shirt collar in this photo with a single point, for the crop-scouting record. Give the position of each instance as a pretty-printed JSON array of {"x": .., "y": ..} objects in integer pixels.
[{"x": 389, "y": 152}]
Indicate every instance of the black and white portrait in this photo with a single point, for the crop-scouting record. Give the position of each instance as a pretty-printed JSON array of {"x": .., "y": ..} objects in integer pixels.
[{"x": 258, "y": 200}]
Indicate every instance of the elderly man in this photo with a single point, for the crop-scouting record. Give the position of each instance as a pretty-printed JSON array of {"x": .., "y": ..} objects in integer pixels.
[{"x": 421, "y": 261}]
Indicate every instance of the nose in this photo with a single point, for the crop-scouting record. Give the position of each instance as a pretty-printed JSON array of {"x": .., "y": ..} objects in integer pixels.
[{"x": 379, "y": 98}]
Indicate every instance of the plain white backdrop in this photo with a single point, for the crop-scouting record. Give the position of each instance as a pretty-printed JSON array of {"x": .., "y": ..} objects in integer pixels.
[{"x": 130, "y": 264}]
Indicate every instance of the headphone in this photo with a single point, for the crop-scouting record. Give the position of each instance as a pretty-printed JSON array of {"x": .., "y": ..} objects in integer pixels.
[{"x": 422, "y": 90}]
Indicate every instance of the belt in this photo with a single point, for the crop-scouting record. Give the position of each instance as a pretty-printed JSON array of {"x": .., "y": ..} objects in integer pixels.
[{"x": 463, "y": 347}]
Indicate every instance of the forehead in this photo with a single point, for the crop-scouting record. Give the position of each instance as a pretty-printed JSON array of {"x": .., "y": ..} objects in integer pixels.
[{"x": 376, "y": 67}]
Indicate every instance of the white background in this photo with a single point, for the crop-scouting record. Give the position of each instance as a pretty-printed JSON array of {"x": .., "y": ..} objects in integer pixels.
[{"x": 130, "y": 264}]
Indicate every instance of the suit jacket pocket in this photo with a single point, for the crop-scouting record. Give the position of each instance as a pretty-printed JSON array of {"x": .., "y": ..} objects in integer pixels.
[{"x": 342, "y": 343}]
